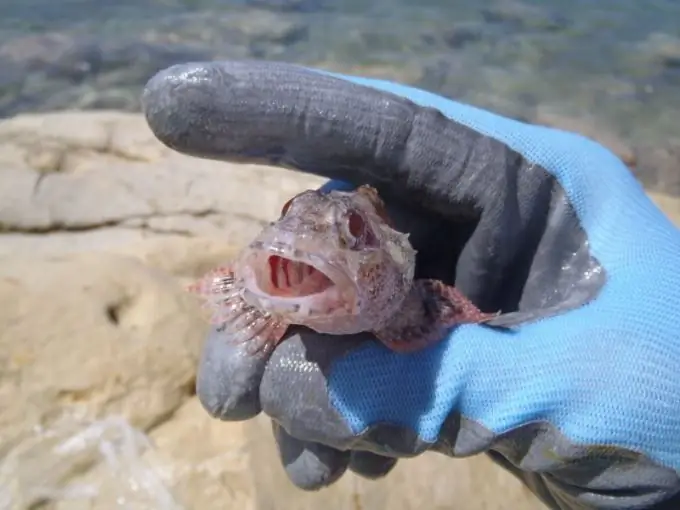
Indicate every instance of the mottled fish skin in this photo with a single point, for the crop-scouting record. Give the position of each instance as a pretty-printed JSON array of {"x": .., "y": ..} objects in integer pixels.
[{"x": 332, "y": 262}]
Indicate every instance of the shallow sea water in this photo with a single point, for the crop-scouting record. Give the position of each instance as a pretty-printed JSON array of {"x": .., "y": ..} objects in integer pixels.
[{"x": 611, "y": 66}]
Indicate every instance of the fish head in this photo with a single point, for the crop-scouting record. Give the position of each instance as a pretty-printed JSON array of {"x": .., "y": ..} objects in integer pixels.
[{"x": 331, "y": 262}]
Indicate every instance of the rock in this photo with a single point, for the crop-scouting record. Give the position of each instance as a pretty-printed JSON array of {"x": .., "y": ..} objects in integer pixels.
[
  {"x": 126, "y": 336},
  {"x": 588, "y": 127},
  {"x": 192, "y": 462},
  {"x": 93, "y": 320},
  {"x": 92, "y": 335},
  {"x": 217, "y": 471},
  {"x": 84, "y": 180}
]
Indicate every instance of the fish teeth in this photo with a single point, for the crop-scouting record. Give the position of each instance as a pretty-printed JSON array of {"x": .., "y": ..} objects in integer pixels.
[
  {"x": 299, "y": 272},
  {"x": 292, "y": 273}
]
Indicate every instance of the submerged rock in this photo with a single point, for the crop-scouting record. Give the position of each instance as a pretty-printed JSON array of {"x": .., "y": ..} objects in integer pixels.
[
  {"x": 514, "y": 14},
  {"x": 60, "y": 70}
]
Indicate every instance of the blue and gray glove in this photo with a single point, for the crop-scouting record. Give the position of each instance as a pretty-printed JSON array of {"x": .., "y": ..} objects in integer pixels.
[{"x": 582, "y": 402}]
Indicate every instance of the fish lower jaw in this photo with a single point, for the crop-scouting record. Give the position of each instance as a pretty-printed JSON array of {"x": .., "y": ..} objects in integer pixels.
[{"x": 296, "y": 308}]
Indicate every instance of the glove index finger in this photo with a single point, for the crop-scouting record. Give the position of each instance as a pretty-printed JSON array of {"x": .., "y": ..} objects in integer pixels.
[
  {"x": 273, "y": 113},
  {"x": 316, "y": 122}
]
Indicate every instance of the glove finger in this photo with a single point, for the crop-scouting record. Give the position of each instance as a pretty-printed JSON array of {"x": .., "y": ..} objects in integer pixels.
[
  {"x": 310, "y": 466},
  {"x": 228, "y": 379},
  {"x": 295, "y": 393},
  {"x": 294, "y": 388},
  {"x": 371, "y": 466},
  {"x": 280, "y": 114}
]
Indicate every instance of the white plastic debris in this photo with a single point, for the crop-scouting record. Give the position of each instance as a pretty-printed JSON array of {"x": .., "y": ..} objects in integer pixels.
[{"x": 40, "y": 468}]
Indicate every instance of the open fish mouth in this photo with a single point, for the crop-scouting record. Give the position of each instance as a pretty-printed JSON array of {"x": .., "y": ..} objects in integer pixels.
[
  {"x": 294, "y": 278},
  {"x": 296, "y": 284}
]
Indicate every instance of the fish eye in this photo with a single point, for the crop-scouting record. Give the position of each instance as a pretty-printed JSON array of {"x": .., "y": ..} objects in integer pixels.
[
  {"x": 356, "y": 233},
  {"x": 356, "y": 224}
]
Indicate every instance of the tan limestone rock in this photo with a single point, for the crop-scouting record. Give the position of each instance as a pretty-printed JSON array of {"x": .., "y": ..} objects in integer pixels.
[
  {"x": 96, "y": 334},
  {"x": 84, "y": 180}
]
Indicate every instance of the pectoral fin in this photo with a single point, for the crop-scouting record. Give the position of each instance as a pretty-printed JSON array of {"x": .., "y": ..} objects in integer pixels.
[{"x": 238, "y": 321}]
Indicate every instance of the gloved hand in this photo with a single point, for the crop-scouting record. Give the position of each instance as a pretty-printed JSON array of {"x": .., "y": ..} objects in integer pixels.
[{"x": 582, "y": 401}]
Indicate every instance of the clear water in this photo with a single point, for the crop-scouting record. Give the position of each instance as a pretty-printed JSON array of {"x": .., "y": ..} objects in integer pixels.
[{"x": 612, "y": 64}]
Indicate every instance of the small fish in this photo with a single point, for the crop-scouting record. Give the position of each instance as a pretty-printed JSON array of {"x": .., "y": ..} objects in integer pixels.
[{"x": 334, "y": 263}]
